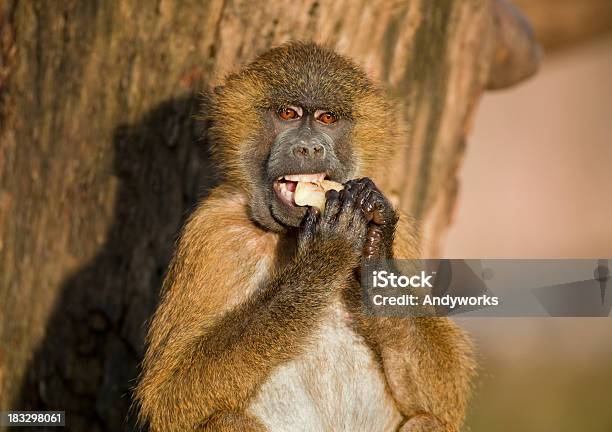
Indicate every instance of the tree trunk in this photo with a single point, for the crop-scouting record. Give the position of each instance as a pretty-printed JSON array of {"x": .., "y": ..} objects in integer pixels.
[{"x": 101, "y": 159}]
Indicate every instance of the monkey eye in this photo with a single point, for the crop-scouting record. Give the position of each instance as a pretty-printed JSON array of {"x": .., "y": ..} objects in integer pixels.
[
  {"x": 326, "y": 117},
  {"x": 290, "y": 113}
]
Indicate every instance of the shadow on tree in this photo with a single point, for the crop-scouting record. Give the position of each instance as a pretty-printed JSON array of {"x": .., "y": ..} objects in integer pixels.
[{"x": 88, "y": 361}]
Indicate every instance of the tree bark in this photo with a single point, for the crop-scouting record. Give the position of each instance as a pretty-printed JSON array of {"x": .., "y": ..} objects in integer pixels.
[{"x": 101, "y": 159}]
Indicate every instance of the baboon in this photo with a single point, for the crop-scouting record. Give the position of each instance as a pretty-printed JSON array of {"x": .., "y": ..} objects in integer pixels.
[{"x": 260, "y": 326}]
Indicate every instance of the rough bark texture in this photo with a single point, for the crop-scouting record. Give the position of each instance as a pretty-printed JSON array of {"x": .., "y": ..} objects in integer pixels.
[{"x": 101, "y": 159}]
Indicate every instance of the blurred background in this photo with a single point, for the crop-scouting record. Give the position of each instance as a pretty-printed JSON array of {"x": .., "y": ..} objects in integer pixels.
[
  {"x": 101, "y": 161},
  {"x": 544, "y": 196}
]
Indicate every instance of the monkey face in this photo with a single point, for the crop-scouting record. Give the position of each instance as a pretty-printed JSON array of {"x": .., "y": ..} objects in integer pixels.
[
  {"x": 308, "y": 144},
  {"x": 299, "y": 112}
]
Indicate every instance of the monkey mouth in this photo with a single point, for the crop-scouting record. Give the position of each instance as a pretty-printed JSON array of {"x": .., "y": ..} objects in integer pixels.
[{"x": 284, "y": 186}]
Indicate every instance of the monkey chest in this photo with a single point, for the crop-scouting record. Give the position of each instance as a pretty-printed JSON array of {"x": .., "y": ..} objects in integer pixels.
[{"x": 336, "y": 385}]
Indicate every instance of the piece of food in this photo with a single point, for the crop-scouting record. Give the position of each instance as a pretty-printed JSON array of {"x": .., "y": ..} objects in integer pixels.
[
  {"x": 313, "y": 194},
  {"x": 309, "y": 194},
  {"x": 329, "y": 185}
]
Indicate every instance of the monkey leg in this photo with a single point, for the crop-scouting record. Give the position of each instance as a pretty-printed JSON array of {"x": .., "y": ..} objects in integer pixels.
[{"x": 232, "y": 421}]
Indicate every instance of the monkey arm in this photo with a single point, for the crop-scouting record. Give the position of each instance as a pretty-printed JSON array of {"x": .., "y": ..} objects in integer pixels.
[
  {"x": 428, "y": 364},
  {"x": 219, "y": 331},
  {"x": 428, "y": 361}
]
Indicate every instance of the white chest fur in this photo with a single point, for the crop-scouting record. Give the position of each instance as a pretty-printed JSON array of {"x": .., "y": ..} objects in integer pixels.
[{"x": 336, "y": 385}]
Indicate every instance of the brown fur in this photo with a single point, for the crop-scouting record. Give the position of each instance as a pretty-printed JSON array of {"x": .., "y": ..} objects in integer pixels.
[{"x": 240, "y": 300}]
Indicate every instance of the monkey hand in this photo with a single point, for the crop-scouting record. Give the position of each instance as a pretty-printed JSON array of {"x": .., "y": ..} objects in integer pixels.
[
  {"x": 381, "y": 217},
  {"x": 339, "y": 231}
]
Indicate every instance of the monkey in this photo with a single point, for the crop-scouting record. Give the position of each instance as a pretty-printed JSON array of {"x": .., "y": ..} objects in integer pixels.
[{"x": 260, "y": 324}]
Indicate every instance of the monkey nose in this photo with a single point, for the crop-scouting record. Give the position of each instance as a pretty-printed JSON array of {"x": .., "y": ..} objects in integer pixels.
[{"x": 308, "y": 150}]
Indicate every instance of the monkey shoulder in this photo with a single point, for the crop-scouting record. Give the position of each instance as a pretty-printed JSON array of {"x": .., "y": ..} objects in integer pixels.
[
  {"x": 221, "y": 255},
  {"x": 221, "y": 228}
]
